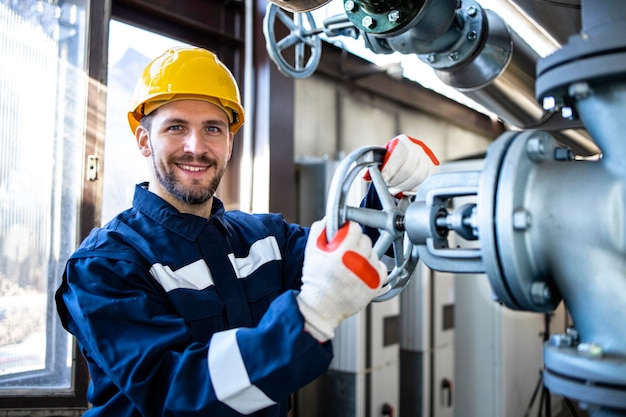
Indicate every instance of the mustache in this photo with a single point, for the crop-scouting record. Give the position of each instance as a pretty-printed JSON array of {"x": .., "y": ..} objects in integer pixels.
[{"x": 200, "y": 159}]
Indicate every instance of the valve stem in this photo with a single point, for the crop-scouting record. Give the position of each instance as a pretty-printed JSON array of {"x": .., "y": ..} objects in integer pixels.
[{"x": 399, "y": 223}]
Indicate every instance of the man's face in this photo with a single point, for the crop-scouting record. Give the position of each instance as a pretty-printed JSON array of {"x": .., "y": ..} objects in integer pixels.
[{"x": 189, "y": 144}]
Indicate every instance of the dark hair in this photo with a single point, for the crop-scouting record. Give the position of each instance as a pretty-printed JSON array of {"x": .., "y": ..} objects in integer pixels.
[{"x": 146, "y": 121}]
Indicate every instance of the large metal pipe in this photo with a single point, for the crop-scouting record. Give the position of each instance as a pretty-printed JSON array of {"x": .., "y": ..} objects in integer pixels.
[
  {"x": 552, "y": 228},
  {"x": 511, "y": 92},
  {"x": 474, "y": 51}
]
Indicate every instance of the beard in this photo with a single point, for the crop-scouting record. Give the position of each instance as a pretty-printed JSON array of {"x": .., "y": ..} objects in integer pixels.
[{"x": 194, "y": 194}]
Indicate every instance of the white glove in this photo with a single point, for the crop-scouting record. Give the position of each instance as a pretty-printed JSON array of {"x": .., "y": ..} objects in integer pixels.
[
  {"x": 339, "y": 278},
  {"x": 407, "y": 164}
]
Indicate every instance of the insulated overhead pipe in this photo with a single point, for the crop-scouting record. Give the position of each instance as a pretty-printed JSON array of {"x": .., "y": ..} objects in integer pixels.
[{"x": 472, "y": 50}]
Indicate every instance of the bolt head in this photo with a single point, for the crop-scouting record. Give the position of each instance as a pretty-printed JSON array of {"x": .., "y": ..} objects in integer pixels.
[
  {"x": 540, "y": 293},
  {"x": 349, "y": 6},
  {"x": 561, "y": 340},
  {"x": 521, "y": 219},
  {"x": 590, "y": 350},
  {"x": 573, "y": 333},
  {"x": 567, "y": 113},
  {"x": 579, "y": 90},
  {"x": 563, "y": 154},
  {"x": 549, "y": 103},
  {"x": 368, "y": 22},
  {"x": 535, "y": 148},
  {"x": 393, "y": 16}
]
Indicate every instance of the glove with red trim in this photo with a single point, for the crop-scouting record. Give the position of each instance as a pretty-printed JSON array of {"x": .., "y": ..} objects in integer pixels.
[
  {"x": 339, "y": 278},
  {"x": 407, "y": 164}
]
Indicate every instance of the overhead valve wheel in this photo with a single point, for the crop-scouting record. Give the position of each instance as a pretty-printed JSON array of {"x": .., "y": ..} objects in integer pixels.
[
  {"x": 302, "y": 40},
  {"x": 389, "y": 221}
]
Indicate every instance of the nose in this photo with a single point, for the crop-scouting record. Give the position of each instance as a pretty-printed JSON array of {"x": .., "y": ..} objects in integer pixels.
[{"x": 195, "y": 143}]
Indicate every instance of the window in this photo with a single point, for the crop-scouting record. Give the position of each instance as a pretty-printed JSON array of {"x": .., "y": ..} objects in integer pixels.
[
  {"x": 52, "y": 125},
  {"x": 43, "y": 91},
  {"x": 130, "y": 50}
]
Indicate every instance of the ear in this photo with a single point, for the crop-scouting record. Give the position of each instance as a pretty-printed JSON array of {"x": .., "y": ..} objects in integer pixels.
[{"x": 141, "y": 134}]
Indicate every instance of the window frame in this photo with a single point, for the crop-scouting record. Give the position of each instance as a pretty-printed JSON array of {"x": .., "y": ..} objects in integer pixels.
[
  {"x": 229, "y": 44},
  {"x": 16, "y": 400}
]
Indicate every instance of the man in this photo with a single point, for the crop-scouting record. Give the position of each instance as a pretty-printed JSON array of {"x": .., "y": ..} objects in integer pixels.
[{"x": 183, "y": 309}]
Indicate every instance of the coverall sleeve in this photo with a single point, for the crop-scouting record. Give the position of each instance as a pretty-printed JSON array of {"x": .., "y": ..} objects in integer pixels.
[{"x": 128, "y": 332}]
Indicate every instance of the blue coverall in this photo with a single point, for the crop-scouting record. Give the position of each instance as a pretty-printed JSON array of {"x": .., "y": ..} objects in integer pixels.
[{"x": 178, "y": 315}]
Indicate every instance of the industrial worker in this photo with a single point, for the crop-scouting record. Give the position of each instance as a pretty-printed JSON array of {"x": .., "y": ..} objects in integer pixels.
[{"x": 181, "y": 308}]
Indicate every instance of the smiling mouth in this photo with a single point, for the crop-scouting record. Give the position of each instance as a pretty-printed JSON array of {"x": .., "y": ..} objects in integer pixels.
[{"x": 192, "y": 168}]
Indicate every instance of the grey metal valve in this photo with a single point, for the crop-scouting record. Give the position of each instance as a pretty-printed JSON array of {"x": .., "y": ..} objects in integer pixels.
[{"x": 388, "y": 220}]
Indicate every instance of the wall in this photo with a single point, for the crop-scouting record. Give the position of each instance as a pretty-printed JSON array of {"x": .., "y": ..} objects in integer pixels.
[
  {"x": 498, "y": 351},
  {"x": 368, "y": 120},
  {"x": 331, "y": 120}
]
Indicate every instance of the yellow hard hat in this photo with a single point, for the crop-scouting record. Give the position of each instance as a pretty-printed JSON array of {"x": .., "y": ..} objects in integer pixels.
[{"x": 186, "y": 73}]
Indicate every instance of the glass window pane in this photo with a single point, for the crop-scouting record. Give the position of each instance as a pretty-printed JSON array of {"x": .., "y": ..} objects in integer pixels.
[{"x": 42, "y": 114}]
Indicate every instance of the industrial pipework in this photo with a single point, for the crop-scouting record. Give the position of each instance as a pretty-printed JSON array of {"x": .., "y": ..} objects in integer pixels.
[{"x": 549, "y": 222}]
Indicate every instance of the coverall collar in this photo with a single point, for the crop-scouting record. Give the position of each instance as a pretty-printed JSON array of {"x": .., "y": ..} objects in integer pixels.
[{"x": 186, "y": 225}]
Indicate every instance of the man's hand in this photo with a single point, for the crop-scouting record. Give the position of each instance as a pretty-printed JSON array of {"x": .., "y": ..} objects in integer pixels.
[
  {"x": 407, "y": 164},
  {"x": 339, "y": 278}
]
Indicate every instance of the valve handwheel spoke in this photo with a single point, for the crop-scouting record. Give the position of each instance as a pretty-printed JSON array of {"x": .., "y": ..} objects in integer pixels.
[
  {"x": 303, "y": 39},
  {"x": 386, "y": 221}
]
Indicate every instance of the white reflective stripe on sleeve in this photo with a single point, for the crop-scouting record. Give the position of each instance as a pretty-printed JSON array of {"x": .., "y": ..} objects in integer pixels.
[
  {"x": 261, "y": 252},
  {"x": 229, "y": 376},
  {"x": 195, "y": 276}
]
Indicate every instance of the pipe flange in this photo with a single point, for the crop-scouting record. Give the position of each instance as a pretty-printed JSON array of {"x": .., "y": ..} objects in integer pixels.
[
  {"x": 471, "y": 36},
  {"x": 595, "y": 57},
  {"x": 503, "y": 222},
  {"x": 487, "y": 191},
  {"x": 532, "y": 290},
  {"x": 593, "y": 379},
  {"x": 480, "y": 61},
  {"x": 380, "y": 17}
]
